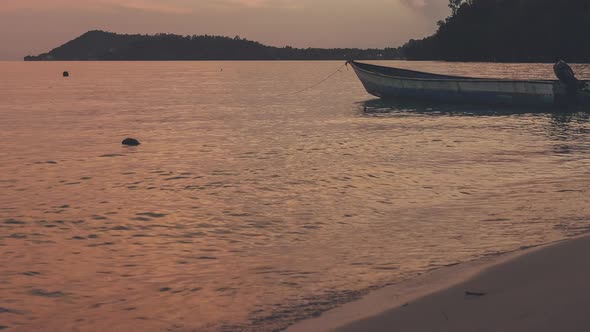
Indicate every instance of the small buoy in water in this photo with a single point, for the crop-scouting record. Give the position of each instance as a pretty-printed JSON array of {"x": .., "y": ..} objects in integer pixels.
[
  {"x": 66, "y": 74},
  {"x": 130, "y": 142}
]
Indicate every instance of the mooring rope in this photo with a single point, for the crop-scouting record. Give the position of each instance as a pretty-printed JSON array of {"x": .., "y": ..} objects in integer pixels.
[{"x": 339, "y": 70}]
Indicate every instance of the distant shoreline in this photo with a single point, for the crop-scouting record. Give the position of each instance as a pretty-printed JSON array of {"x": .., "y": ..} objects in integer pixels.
[
  {"x": 301, "y": 60},
  {"x": 108, "y": 46},
  {"x": 467, "y": 35}
]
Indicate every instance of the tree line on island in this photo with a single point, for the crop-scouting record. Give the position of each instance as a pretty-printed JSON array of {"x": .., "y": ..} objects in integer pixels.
[
  {"x": 101, "y": 45},
  {"x": 508, "y": 31},
  {"x": 476, "y": 30}
]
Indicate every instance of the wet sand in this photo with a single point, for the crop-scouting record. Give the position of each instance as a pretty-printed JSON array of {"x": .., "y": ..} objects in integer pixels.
[{"x": 541, "y": 289}]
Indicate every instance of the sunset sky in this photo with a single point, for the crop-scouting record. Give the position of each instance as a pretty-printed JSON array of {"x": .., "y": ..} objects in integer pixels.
[{"x": 36, "y": 26}]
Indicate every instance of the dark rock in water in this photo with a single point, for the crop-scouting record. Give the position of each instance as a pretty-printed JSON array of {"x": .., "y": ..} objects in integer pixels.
[
  {"x": 130, "y": 142},
  {"x": 9, "y": 311},
  {"x": 44, "y": 293},
  {"x": 66, "y": 74},
  {"x": 111, "y": 155}
]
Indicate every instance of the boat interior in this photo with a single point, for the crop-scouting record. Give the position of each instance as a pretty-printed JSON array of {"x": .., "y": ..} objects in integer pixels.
[
  {"x": 397, "y": 72},
  {"x": 406, "y": 73}
]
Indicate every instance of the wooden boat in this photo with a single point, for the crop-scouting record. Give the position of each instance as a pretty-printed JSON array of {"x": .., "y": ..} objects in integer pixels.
[{"x": 395, "y": 83}]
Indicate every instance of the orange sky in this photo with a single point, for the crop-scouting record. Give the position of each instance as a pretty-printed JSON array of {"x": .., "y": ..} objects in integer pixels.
[{"x": 36, "y": 26}]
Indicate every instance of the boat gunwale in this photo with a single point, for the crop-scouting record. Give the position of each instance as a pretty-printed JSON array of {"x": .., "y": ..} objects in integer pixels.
[{"x": 450, "y": 79}]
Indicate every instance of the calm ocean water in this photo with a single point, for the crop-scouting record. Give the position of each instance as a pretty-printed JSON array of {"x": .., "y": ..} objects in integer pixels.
[{"x": 244, "y": 210}]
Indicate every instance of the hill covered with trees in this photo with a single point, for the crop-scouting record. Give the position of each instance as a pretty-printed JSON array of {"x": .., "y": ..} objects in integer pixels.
[
  {"x": 101, "y": 45},
  {"x": 509, "y": 31}
]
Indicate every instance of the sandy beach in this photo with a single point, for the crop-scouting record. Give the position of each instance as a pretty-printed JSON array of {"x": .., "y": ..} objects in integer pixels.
[{"x": 539, "y": 289}]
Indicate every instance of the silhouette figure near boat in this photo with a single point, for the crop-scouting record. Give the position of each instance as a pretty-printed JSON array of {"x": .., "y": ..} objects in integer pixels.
[{"x": 566, "y": 75}]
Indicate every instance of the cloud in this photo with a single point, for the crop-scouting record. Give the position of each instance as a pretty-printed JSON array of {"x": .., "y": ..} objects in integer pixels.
[
  {"x": 254, "y": 4},
  {"x": 432, "y": 9},
  {"x": 415, "y": 3},
  {"x": 36, "y": 26},
  {"x": 150, "y": 6},
  {"x": 251, "y": 3},
  {"x": 159, "y": 6}
]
